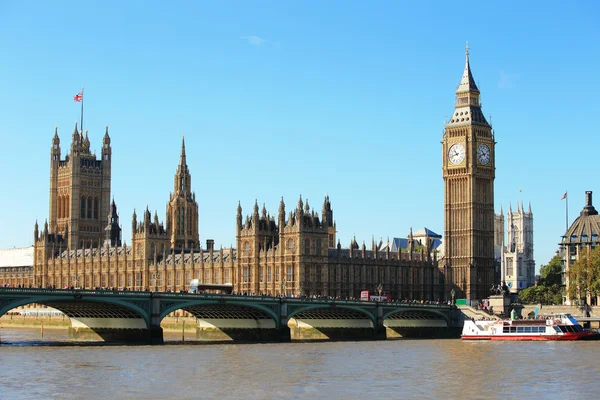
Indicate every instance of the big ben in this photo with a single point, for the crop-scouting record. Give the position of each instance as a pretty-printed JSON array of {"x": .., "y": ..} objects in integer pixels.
[{"x": 468, "y": 168}]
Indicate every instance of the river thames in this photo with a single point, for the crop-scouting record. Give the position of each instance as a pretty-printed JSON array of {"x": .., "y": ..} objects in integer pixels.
[{"x": 423, "y": 369}]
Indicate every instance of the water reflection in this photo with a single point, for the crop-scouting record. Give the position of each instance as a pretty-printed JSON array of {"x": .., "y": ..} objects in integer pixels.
[{"x": 390, "y": 369}]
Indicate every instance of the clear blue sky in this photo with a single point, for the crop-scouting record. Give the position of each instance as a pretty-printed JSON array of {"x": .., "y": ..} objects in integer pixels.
[{"x": 287, "y": 98}]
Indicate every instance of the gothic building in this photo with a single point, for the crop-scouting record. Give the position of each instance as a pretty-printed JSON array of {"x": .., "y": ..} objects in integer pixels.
[
  {"x": 468, "y": 169},
  {"x": 79, "y": 190},
  {"x": 295, "y": 252},
  {"x": 515, "y": 256}
]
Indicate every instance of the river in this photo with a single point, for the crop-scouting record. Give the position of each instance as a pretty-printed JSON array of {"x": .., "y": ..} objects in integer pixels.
[{"x": 394, "y": 369}]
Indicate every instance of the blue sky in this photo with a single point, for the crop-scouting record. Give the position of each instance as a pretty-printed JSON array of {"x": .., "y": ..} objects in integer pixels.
[{"x": 279, "y": 99}]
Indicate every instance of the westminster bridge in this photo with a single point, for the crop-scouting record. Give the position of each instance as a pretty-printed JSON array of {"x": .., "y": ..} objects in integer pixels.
[{"x": 135, "y": 316}]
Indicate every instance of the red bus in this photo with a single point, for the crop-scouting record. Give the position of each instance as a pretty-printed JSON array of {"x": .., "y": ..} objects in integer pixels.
[{"x": 375, "y": 296}]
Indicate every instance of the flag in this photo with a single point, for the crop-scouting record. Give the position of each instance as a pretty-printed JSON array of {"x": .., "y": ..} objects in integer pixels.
[
  {"x": 564, "y": 196},
  {"x": 78, "y": 97}
]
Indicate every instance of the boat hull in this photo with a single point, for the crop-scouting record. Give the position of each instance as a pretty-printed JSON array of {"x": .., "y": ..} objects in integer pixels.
[{"x": 567, "y": 336}]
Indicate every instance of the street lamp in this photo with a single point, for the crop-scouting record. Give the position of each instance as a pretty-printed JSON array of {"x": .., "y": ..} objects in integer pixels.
[
  {"x": 452, "y": 293},
  {"x": 379, "y": 289},
  {"x": 75, "y": 279},
  {"x": 156, "y": 277},
  {"x": 283, "y": 287}
]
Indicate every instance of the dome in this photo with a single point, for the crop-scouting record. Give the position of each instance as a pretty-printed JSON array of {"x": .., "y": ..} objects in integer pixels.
[{"x": 586, "y": 228}]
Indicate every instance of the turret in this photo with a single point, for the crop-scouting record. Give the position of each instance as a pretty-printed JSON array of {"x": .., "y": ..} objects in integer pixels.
[
  {"x": 134, "y": 222},
  {"x": 75, "y": 142},
  {"x": 281, "y": 215},
  {"x": 106, "y": 149},
  {"x": 55, "y": 152},
  {"x": 300, "y": 210},
  {"x": 238, "y": 218},
  {"x": 255, "y": 212},
  {"x": 35, "y": 232}
]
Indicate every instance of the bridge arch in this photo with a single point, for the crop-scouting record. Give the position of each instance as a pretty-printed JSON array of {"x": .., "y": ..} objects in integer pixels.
[
  {"x": 71, "y": 306},
  {"x": 200, "y": 308},
  {"x": 332, "y": 311},
  {"x": 416, "y": 314}
]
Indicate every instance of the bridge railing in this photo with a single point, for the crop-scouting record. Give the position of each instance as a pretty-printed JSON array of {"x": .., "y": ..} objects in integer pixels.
[{"x": 185, "y": 295}]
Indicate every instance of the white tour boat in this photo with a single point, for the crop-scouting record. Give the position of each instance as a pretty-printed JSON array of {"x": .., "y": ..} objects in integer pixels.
[{"x": 556, "y": 327}]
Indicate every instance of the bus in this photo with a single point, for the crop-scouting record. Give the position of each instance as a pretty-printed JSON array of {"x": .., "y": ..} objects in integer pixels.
[
  {"x": 197, "y": 287},
  {"x": 375, "y": 296}
]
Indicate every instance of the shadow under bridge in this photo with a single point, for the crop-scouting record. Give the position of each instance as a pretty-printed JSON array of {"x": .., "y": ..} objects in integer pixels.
[{"x": 230, "y": 320}]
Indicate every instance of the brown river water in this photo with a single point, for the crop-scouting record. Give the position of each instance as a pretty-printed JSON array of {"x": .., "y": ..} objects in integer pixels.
[{"x": 32, "y": 368}]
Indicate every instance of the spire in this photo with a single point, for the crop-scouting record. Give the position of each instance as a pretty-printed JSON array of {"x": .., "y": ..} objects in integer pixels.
[
  {"x": 75, "y": 140},
  {"x": 255, "y": 208},
  {"x": 501, "y": 212},
  {"x": 264, "y": 211},
  {"x": 106, "y": 138},
  {"x": 467, "y": 83},
  {"x": 56, "y": 139},
  {"x": 300, "y": 204},
  {"x": 133, "y": 222},
  {"x": 467, "y": 106},
  {"x": 182, "y": 160},
  {"x": 529, "y": 209},
  {"x": 281, "y": 210}
]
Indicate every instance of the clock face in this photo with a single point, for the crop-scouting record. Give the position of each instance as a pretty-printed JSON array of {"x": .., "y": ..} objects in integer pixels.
[
  {"x": 483, "y": 154},
  {"x": 456, "y": 154}
]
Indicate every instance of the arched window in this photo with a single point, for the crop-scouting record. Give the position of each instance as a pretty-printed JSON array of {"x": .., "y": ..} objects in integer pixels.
[
  {"x": 82, "y": 207},
  {"x": 152, "y": 250},
  {"x": 59, "y": 207},
  {"x": 89, "y": 208},
  {"x": 96, "y": 208},
  {"x": 67, "y": 206}
]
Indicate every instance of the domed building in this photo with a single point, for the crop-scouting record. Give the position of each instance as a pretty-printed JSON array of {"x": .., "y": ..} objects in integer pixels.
[{"x": 582, "y": 234}]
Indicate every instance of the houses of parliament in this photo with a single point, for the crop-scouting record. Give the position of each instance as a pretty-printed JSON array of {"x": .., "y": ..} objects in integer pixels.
[{"x": 294, "y": 253}]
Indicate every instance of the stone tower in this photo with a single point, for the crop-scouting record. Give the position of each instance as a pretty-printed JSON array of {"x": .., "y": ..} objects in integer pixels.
[
  {"x": 112, "y": 232},
  {"x": 468, "y": 171},
  {"x": 518, "y": 269},
  {"x": 182, "y": 209},
  {"x": 80, "y": 190}
]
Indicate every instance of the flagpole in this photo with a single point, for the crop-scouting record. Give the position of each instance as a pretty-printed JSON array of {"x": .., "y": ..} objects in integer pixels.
[
  {"x": 566, "y": 212},
  {"x": 82, "y": 109}
]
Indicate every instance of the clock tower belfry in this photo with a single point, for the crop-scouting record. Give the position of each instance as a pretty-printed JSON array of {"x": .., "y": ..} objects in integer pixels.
[{"x": 468, "y": 169}]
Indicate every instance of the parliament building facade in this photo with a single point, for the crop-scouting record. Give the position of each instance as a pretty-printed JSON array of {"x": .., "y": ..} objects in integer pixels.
[{"x": 296, "y": 253}]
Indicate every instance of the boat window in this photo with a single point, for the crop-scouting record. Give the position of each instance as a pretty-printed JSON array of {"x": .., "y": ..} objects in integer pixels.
[
  {"x": 563, "y": 328},
  {"x": 578, "y": 328},
  {"x": 527, "y": 329},
  {"x": 505, "y": 329},
  {"x": 513, "y": 329},
  {"x": 556, "y": 328}
]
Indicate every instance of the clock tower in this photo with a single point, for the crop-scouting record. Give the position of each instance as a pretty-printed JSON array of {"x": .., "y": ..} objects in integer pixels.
[{"x": 468, "y": 158}]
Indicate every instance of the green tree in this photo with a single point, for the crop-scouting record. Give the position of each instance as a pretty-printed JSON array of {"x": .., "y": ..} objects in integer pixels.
[
  {"x": 584, "y": 274},
  {"x": 549, "y": 290},
  {"x": 551, "y": 273}
]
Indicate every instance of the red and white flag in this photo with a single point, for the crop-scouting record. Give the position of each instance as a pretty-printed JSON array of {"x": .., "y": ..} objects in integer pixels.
[
  {"x": 564, "y": 196},
  {"x": 78, "y": 97}
]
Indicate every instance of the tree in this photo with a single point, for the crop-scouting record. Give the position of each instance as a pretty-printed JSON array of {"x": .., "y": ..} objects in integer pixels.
[
  {"x": 551, "y": 273},
  {"x": 549, "y": 290},
  {"x": 584, "y": 275}
]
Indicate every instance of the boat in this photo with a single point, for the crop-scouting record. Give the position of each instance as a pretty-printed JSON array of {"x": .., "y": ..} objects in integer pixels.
[{"x": 555, "y": 327}]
